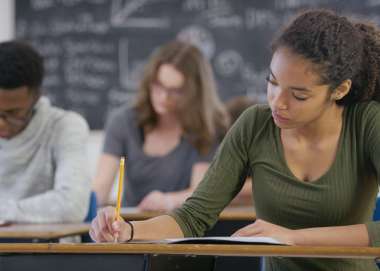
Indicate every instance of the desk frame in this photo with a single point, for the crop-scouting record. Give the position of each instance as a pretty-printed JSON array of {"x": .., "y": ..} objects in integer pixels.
[
  {"x": 186, "y": 249},
  {"x": 157, "y": 257}
]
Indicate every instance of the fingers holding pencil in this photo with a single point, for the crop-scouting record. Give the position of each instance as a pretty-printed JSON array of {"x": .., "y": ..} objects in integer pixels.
[
  {"x": 108, "y": 226},
  {"x": 101, "y": 227},
  {"x": 105, "y": 227},
  {"x": 123, "y": 230}
]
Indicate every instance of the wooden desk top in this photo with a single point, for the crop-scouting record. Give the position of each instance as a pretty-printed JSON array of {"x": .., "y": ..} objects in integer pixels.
[
  {"x": 191, "y": 249},
  {"x": 42, "y": 231},
  {"x": 231, "y": 213}
]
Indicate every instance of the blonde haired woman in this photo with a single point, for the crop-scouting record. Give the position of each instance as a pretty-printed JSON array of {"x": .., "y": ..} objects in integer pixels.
[{"x": 169, "y": 136}]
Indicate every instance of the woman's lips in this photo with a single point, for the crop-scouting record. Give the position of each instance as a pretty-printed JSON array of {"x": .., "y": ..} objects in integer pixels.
[{"x": 279, "y": 118}]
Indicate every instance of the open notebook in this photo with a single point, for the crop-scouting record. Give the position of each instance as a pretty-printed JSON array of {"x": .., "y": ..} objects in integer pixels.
[{"x": 217, "y": 240}]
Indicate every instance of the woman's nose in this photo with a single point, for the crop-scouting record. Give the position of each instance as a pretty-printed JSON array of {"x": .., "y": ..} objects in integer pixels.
[{"x": 280, "y": 100}]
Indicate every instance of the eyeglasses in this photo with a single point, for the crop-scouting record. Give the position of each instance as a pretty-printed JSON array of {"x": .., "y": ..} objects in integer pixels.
[
  {"x": 171, "y": 92},
  {"x": 15, "y": 120}
]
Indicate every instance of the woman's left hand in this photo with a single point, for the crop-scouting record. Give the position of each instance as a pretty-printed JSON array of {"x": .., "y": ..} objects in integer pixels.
[
  {"x": 263, "y": 228},
  {"x": 156, "y": 201}
]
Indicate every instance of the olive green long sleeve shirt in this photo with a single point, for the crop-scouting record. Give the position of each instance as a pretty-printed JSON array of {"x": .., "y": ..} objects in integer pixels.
[{"x": 344, "y": 195}]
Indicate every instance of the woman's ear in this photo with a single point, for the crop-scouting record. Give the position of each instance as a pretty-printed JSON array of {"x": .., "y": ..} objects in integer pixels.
[{"x": 342, "y": 90}]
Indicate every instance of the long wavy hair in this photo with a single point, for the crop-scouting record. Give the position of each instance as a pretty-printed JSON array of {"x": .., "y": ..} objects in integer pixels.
[{"x": 200, "y": 111}]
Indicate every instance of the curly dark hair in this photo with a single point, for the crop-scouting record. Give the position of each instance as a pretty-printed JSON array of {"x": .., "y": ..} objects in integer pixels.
[
  {"x": 341, "y": 49},
  {"x": 20, "y": 65}
]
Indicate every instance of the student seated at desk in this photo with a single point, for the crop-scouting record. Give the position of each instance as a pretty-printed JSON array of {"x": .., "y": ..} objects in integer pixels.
[
  {"x": 43, "y": 177},
  {"x": 314, "y": 151},
  {"x": 169, "y": 136}
]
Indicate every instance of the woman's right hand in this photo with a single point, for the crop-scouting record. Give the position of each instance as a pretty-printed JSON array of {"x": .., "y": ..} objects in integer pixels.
[{"x": 105, "y": 227}]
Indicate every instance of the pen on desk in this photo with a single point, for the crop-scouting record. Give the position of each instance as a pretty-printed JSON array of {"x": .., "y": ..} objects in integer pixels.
[{"x": 119, "y": 191}]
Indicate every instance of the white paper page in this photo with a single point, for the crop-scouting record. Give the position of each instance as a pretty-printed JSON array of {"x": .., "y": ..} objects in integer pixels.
[{"x": 218, "y": 240}]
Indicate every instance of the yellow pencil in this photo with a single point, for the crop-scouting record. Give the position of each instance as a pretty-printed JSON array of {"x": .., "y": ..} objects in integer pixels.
[
  {"x": 120, "y": 187},
  {"x": 119, "y": 190}
]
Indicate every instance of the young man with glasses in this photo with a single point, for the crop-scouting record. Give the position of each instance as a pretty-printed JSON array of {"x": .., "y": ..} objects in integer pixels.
[{"x": 43, "y": 177}]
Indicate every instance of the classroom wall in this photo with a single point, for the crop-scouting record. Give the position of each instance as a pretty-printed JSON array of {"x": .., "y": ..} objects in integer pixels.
[
  {"x": 95, "y": 56},
  {"x": 95, "y": 50},
  {"x": 7, "y": 18}
]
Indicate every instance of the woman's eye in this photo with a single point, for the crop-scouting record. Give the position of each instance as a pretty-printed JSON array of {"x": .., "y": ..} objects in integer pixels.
[{"x": 300, "y": 98}]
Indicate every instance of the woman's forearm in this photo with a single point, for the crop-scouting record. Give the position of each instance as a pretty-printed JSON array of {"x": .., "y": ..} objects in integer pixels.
[
  {"x": 353, "y": 235},
  {"x": 159, "y": 227}
]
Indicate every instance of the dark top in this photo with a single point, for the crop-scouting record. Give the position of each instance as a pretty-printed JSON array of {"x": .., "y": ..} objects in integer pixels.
[
  {"x": 344, "y": 195},
  {"x": 144, "y": 173}
]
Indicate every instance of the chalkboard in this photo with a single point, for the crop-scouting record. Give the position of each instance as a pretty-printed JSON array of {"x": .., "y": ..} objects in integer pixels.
[{"x": 95, "y": 49}]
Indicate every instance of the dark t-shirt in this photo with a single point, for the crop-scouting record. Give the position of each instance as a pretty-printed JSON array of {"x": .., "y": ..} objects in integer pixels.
[{"x": 144, "y": 173}]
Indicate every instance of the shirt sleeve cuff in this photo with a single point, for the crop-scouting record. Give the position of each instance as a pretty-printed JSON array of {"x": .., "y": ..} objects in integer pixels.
[{"x": 180, "y": 221}]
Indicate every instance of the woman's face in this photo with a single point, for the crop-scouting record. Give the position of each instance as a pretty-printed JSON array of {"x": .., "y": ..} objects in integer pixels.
[
  {"x": 167, "y": 89},
  {"x": 294, "y": 92}
]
